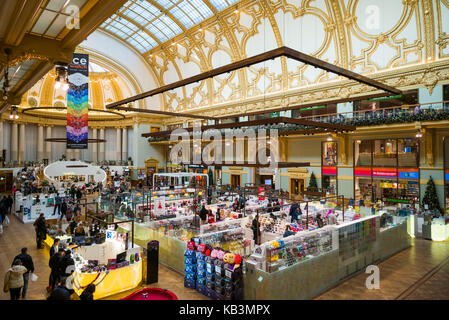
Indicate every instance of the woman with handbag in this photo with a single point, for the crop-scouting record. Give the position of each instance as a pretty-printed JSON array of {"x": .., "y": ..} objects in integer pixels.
[{"x": 14, "y": 279}]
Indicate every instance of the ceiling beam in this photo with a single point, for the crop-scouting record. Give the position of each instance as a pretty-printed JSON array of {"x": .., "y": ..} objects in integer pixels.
[
  {"x": 269, "y": 55},
  {"x": 18, "y": 16},
  {"x": 91, "y": 21}
]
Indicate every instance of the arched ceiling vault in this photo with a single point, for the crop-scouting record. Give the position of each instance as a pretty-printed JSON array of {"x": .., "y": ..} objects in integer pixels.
[{"x": 362, "y": 36}]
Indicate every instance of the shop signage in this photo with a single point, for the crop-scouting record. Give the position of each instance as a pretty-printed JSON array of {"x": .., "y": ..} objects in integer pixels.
[
  {"x": 409, "y": 173},
  {"x": 446, "y": 174},
  {"x": 261, "y": 193},
  {"x": 77, "y": 102},
  {"x": 159, "y": 206},
  {"x": 385, "y": 172},
  {"x": 400, "y": 201},
  {"x": 365, "y": 172},
  {"x": 332, "y": 171}
]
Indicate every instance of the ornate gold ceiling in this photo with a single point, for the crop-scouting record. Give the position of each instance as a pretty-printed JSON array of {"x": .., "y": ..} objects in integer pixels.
[{"x": 373, "y": 38}]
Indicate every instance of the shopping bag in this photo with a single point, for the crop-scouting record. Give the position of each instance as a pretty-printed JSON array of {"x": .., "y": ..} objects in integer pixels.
[
  {"x": 6, "y": 222},
  {"x": 33, "y": 277}
]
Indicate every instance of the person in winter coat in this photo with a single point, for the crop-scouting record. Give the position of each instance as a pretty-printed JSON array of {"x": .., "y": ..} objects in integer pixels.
[
  {"x": 88, "y": 293},
  {"x": 10, "y": 201},
  {"x": 63, "y": 209},
  {"x": 58, "y": 202},
  {"x": 27, "y": 262},
  {"x": 65, "y": 263},
  {"x": 54, "y": 264},
  {"x": 61, "y": 292},
  {"x": 54, "y": 248},
  {"x": 41, "y": 230},
  {"x": 256, "y": 229},
  {"x": 14, "y": 279}
]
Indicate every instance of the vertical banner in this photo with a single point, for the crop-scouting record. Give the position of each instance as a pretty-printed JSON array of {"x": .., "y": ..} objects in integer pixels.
[{"x": 77, "y": 102}]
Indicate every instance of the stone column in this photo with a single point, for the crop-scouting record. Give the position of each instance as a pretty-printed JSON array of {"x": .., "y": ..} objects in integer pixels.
[
  {"x": 101, "y": 153},
  {"x": 40, "y": 143},
  {"x": 125, "y": 144},
  {"x": 118, "y": 146},
  {"x": 48, "y": 145},
  {"x": 22, "y": 143},
  {"x": 68, "y": 154},
  {"x": 14, "y": 141},
  {"x": 94, "y": 146},
  {"x": 77, "y": 154}
]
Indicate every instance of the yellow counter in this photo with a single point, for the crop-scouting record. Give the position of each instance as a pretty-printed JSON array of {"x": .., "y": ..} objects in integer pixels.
[{"x": 111, "y": 282}]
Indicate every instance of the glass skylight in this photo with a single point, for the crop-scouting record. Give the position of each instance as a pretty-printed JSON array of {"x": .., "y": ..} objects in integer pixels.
[{"x": 145, "y": 25}]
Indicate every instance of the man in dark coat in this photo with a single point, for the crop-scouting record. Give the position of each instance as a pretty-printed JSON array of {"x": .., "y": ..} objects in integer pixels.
[
  {"x": 27, "y": 262},
  {"x": 54, "y": 263},
  {"x": 10, "y": 201},
  {"x": 61, "y": 292},
  {"x": 41, "y": 230},
  {"x": 66, "y": 265},
  {"x": 63, "y": 209}
]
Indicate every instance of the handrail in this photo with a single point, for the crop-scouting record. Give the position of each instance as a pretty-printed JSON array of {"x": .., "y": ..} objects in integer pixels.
[{"x": 383, "y": 110}]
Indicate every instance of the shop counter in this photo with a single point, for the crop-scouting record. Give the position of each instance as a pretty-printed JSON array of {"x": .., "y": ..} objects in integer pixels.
[
  {"x": 110, "y": 282},
  {"x": 308, "y": 278}
]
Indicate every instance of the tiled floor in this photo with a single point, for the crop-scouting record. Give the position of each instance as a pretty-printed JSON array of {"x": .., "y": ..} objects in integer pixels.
[{"x": 420, "y": 272}]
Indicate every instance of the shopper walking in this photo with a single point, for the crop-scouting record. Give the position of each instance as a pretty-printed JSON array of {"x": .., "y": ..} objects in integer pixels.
[
  {"x": 256, "y": 230},
  {"x": 27, "y": 262},
  {"x": 54, "y": 248},
  {"x": 54, "y": 265},
  {"x": 9, "y": 203},
  {"x": 203, "y": 214},
  {"x": 41, "y": 230},
  {"x": 58, "y": 201},
  {"x": 63, "y": 209},
  {"x": 14, "y": 279}
]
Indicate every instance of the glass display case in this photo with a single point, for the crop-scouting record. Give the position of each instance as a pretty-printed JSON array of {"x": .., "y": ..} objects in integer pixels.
[{"x": 279, "y": 254}]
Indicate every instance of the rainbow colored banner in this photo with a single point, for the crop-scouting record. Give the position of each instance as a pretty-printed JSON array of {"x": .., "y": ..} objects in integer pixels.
[{"x": 77, "y": 102}]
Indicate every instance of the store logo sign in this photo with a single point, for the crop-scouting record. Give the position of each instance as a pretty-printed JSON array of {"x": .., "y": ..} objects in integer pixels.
[
  {"x": 382, "y": 172},
  {"x": 373, "y": 281}
]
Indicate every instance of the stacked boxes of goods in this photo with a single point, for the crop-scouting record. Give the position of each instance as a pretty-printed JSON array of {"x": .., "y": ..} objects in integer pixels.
[
  {"x": 190, "y": 265},
  {"x": 201, "y": 269}
]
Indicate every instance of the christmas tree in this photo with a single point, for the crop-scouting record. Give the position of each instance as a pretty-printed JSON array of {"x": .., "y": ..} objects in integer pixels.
[
  {"x": 431, "y": 196},
  {"x": 313, "y": 186}
]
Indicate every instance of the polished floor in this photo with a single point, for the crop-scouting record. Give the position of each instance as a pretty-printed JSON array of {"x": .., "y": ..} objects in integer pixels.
[{"x": 419, "y": 272}]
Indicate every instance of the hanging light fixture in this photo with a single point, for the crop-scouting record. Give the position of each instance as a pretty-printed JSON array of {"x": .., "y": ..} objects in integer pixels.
[
  {"x": 418, "y": 134},
  {"x": 13, "y": 114},
  {"x": 329, "y": 137},
  {"x": 61, "y": 81}
]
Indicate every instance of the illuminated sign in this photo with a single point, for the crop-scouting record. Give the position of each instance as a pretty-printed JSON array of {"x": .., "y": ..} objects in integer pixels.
[
  {"x": 409, "y": 173},
  {"x": 365, "y": 172},
  {"x": 385, "y": 172},
  {"x": 329, "y": 170}
]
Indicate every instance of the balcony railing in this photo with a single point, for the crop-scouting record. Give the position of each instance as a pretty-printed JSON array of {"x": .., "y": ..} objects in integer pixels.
[{"x": 397, "y": 114}]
